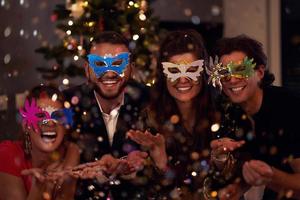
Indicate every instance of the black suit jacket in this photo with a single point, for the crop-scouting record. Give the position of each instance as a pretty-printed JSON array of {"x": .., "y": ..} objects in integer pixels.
[{"x": 91, "y": 135}]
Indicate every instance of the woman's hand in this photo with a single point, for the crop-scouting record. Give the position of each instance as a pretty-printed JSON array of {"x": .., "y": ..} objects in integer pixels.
[
  {"x": 154, "y": 143},
  {"x": 37, "y": 173},
  {"x": 220, "y": 150},
  {"x": 227, "y": 144}
]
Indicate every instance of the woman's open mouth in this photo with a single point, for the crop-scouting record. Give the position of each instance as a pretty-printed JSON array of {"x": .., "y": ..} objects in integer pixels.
[{"x": 49, "y": 136}]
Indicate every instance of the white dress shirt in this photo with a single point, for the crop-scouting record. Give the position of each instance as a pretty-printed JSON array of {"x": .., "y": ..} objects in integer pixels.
[{"x": 110, "y": 119}]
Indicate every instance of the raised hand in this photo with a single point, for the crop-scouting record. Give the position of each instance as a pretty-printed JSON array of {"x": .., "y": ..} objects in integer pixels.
[
  {"x": 227, "y": 144},
  {"x": 37, "y": 173},
  {"x": 232, "y": 191},
  {"x": 105, "y": 169},
  {"x": 89, "y": 172},
  {"x": 53, "y": 173},
  {"x": 43, "y": 183},
  {"x": 154, "y": 143},
  {"x": 257, "y": 173},
  {"x": 136, "y": 160}
]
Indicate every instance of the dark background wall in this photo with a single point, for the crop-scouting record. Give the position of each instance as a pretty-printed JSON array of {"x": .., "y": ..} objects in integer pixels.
[
  {"x": 290, "y": 21},
  {"x": 26, "y": 25}
]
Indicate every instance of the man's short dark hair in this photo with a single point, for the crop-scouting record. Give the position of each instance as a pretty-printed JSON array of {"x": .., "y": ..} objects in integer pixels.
[
  {"x": 111, "y": 37},
  {"x": 251, "y": 47}
]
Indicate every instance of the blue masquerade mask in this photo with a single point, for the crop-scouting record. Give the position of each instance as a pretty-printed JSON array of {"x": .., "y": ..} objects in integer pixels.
[
  {"x": 101, "y": 65},
  {"x": 63, "y": 116}
]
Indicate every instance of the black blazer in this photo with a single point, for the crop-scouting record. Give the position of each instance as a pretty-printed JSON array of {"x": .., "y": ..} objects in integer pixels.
[{"x": 89, "y": 132}]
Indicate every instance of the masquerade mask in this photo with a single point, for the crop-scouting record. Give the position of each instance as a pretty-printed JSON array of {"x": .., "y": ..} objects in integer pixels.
[
  {"x": 191, "y": 70},
  {"x": 33, "y": 115},
  {"x": 218, "y": 72},
  {"x": 100, "y": 64}
]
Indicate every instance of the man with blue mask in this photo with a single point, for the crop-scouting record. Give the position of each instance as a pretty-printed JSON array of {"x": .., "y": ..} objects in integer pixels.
[
  {"x": 108, "y": 68},
  {"x": 106, "y": 107}
]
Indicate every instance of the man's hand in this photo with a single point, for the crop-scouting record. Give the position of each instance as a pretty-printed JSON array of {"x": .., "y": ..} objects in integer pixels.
[
  {"x": 154, "y": 143},
  {"x": 232, "y": 191},
  {"x": 256, "y": 172},
  {"x": 136, "y": 160},
  {"x": 99, "y": 169}
]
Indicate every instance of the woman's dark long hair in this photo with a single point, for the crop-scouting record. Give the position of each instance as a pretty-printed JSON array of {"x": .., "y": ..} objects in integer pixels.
[
  {"x": 163, "y": 105},
  {"x": 42, "y": 91}
]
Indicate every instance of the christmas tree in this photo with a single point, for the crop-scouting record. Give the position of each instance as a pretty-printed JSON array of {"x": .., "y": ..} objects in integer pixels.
[{"x": 79, "y": 21}]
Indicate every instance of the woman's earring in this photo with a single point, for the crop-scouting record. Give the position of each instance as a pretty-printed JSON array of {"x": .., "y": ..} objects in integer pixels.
[{"x": 28, "y": 146}]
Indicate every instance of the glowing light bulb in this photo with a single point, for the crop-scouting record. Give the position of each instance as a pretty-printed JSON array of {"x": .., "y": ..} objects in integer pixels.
[
  {"x": 65, "y": 81},
  {"x": 54, "y": 97},
  {"x": 131, "y": 3},
  {"x": 142, "y": 17},
  {"x": 135, "y": 37},
  {"x": 215, "y": 127}
]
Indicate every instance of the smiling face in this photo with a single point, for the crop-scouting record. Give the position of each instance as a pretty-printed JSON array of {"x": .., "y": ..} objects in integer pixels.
[
  {"x": 109, "y": 85},
  {"x": 51, "y": 133},
  {"x": 184, "y": 89},
  {"x": 241, "y": 90}
]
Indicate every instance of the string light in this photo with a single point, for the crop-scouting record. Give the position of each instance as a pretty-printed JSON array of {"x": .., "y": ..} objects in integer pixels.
[
  {"x": 76, "y": 57},
  {"x": 67, "y": 104},
  {"x": 143, "y": 30},
  {"x": 7, "y": 31},
  {"x": 35, "y": 32},
  {"x": 194, "y": 173},
  {"x": 22, "y": 32},
  {"x": 135, "y": 37},
  {"x": 65, "y": 81},
  {"x": 70, "y": 23},
  {"x": 215, "y": 127},
  {"x": 85, "y": 4},
  {"x": 142, "y": 16},
  {"x": 69, "y": 32},
  {"x": 90, "y": 24},
  {"x": 131, "y": 3},
  {"x": 54, "y": 97},
  {"x": 7, "y": 58}
]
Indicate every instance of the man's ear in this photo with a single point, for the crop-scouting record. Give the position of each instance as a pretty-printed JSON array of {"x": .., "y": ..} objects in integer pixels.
[
  {"x": 260, "y": 71},
  {"x": 86, "y": 69},
  {"x": 131, "y": 69}
]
